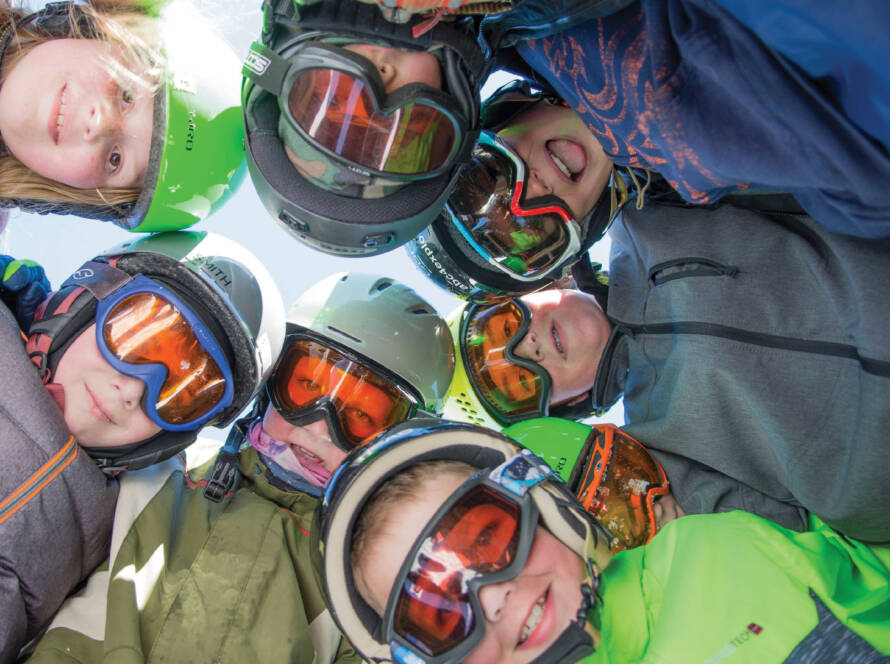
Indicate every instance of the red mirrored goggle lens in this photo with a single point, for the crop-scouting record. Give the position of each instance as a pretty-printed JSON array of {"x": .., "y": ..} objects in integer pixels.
[
  {"x": 364, "y": 402},
  {"x": 146, "y": 329},
  {"x": 338, "y": 111},
  {"x": 619, "y": 486},
  {"x": 484, "y": 202},
  {"x": 507, "y": 387},
  {"x": 479, "y": 535}
]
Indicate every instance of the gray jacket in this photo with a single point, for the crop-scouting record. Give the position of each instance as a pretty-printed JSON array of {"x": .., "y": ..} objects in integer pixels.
[
  {"x": 56, "y": 506},
  {"x": 752, "y": 351}
]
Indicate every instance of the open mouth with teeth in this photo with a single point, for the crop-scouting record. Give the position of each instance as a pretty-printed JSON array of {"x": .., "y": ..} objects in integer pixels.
[
  {"x": 569, "y": 157},
  {"x": 60, "y": 115},
  {"x": 556, "y": 341},
  {"x": 534, "y": 617}
]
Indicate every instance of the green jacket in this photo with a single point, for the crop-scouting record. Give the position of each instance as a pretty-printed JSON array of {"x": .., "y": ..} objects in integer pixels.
[
  {"x": 195, "y": 581},
  {"x": 736, "y": 588}
]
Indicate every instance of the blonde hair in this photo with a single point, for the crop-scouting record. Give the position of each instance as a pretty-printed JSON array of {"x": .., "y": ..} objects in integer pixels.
[
  {"x": 123, "y": 28},
  {"x": 406, "y": 486}
]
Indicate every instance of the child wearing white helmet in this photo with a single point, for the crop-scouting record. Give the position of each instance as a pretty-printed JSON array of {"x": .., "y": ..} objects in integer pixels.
[{"x": 450, "y": 543}]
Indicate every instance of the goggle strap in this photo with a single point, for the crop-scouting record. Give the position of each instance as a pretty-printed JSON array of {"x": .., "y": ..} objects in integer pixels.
[
  {"x": 265, "y": 68},
  {"x": 100, "y": 279},
  {"x": 402, "y": 655},
  {"x": 520, "y": 473}
]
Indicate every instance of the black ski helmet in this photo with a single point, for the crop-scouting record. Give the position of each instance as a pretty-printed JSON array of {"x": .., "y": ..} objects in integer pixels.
[{"x": 326, "y": 220}]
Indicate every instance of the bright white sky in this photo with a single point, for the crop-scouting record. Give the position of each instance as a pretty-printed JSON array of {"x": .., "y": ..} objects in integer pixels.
[{"x": 62, "y": 243}]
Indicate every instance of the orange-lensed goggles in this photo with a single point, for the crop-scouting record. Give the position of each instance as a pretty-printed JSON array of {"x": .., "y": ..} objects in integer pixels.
[
  {"x": 359, "y": 399},
  {"x": 619, "y": 486},
  {"x": 513, "y": 388},
  {"x": 145, "y": 331},
  {"x": 335, "y": 100},
  {"x": 481, "y": 535}
]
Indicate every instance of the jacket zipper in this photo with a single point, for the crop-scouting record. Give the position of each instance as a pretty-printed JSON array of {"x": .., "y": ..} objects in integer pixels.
[{"x": 869, "y": 365}]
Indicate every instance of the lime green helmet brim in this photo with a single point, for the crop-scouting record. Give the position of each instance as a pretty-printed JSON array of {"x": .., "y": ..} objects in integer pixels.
[{"x": 197, "y": 157}]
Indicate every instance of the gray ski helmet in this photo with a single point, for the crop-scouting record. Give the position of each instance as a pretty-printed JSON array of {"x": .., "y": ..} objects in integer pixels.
[
  {"x": 226, "y": 286},
  {"x": 442, "y": 244},
  {"x": 326, "y": 220},
  {"x": 367, "y": 469},
  {"x": 386, "y": 322}
]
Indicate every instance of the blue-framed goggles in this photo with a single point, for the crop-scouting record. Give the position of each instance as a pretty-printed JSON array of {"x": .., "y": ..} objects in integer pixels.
[{"x": 145, "y": 331}]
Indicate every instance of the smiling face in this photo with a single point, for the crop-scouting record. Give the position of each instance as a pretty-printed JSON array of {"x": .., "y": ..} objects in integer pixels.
[
  {"x": 311, "y": 441},
  {"x": 523, "y": 616},
  {"x": 103, "y": 407},
  {"x": 562, "y": 155},
  {"x": 567, "y": 335},
  {"x": 65, "y": 117}
]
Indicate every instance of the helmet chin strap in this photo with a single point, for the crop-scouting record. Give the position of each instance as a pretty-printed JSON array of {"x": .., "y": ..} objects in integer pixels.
[{"x": 576, "y": 641}]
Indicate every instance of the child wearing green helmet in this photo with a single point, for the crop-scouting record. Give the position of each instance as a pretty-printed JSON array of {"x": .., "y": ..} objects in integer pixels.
[
  {"x": 138, "y": 350},
  {"x": 362, "y": 353},
  {"x": 449, "y": 543},
  {"x": 106, "y": 113}
]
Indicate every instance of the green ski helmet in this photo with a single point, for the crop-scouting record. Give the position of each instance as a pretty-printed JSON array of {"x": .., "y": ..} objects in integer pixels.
[
  {"x": 230, "y": 296},
  {"x": 613, "y": 476},
  {"x": 384, "y": 322},
  {"x": 366, "y": 470},
  {"x": 196, "y": 158}
]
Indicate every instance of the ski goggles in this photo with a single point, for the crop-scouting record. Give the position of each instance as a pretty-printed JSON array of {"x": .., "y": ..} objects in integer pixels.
[
  {"x": 481, "y": 535},
  {"x": 359, "y": 399},
  {"x": 523, "y": 238},
  {"x": 619, "y": 486},
  {"x": 145, "y": 331},
  {"x": 512, "y": 388},
  {"x": 335, "y": 100}
]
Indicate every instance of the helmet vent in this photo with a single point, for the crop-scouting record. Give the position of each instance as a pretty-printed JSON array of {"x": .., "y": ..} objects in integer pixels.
[
  {"x": 382, "y": 285},
  {"x": 470, "y": 411},
  {"x": 345, "y": 334},
  {"x": 420, "y": 310}
]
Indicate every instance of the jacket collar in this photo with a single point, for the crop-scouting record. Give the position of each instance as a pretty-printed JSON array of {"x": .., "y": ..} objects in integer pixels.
[{"x": 611, "y": 373}]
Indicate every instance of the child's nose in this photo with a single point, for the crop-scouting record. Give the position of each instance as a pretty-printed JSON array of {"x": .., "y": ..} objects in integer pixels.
[
  {"x": 529, "y": 347},
  {"x": 102, "y": 119},
  {"x": 537, "y": 186},
  {"x": 494, "y": 598},
  {"x": 131, "y": 390}
]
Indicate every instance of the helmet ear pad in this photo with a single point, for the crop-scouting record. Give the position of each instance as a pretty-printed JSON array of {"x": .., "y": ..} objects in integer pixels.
[
  {"x": 328, "y": 221},
  {"x": 213, "y": 312}
]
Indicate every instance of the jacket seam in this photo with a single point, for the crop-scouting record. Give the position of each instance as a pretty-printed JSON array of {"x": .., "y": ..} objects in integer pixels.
[{"x": 26, "y": 491}]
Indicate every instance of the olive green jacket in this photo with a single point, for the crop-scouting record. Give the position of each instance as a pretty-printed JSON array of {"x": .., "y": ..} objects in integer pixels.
[{"x": 190, "y": 580}]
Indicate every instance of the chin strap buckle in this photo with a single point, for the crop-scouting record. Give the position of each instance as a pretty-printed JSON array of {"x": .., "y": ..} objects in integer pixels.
[{"x": 225, "y": 470}]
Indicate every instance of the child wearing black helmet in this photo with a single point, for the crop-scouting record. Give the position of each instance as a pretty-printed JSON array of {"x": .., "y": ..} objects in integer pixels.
[
  {"x": 356, "y": 126},
  {"x": 363, "y": 353},
  {"x": 447, "y": 543},
  {"x": 124, "y": 363}
]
